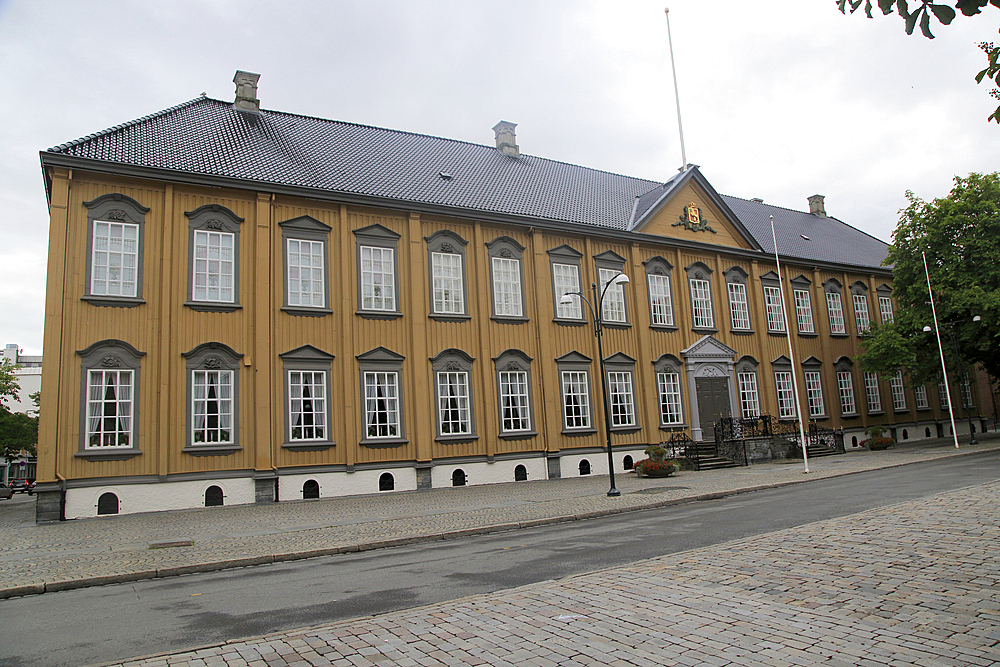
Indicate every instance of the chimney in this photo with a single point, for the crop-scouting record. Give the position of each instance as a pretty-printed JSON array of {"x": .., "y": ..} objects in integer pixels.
[
  {"x": 246, "y": 91},
  {"x": 506, "y": 140},
  {"x": 816, "y": 206}
]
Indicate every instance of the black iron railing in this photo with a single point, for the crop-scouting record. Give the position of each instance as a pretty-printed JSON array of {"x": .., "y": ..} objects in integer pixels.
[{"x": 821, "y": 437}]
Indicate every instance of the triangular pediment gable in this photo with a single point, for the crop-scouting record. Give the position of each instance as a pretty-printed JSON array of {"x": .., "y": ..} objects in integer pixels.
[
  {"x": 307, "y": 353},
  {"x": 380, "y": 354},
  {"x": 574, "y": 357},
  {"x": 709, "y": 347},
  {"x": 690, "y": 209},
  {"x": 619, "y": 358},
  {"x": 610, "y": 256},
  {"x": 306, "y": 222}
]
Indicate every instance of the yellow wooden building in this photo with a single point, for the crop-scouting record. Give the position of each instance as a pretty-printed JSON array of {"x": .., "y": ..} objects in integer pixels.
[{"x": 252, "y": 306}]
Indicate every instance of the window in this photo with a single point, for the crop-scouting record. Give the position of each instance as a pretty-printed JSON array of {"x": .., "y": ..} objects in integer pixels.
[
  {"x": 943, "y": 395},
  {"x": 701, "y": 296},
  {"x": 746, "y": 380},
  {"x": 967, "y": 392},
  {"x": 507, "y": 279},
  {"x": 305, "y": 241},
  {"x": 814, "y": 393},
  {"x": 920, "y": 396},
  {"x": 565, "y": 265},
  {"x": 773, "y": 305},
  {"x": 213, "y": 281},
  {"x": 381, "y": 398},
  {"x": 612, "y": 308},
  {"x": 448, "y": 300},
  {"x": 872, "y": 394},
  {"x": 786, "y": 394},
  {"x": 739, "y": 308},
  {"x": 803, "y": 312},
  {"x": 621, "y": 392},
  {"x": 845, "y": 387},
  {"x": 574, "y": 374},
  {"x": 109, "y": 400},
  {"x": 378, "y": 278},
  {"x": 115, "y": 247},
  {"x": 885, "y": 303},
  {"x": 307, "y": 399},
  {"x": 452, "y": 369},
  {"x": 668, "y": 389},
  {"x": 859, "y": 295},
  {"x": 834, "y": 307},
  {"x": 661, "y": 306},
  {"x": 898, "y": 393},
  {"x": 213, "y": 400},
  {"x": 514, "y": 394}
]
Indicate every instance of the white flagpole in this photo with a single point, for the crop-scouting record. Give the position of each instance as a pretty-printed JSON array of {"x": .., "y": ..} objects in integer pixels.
[
  {"x": 677, "y": 95},
  {"x": 791, "y": 352},
  {"x": 937, "y": 332}
]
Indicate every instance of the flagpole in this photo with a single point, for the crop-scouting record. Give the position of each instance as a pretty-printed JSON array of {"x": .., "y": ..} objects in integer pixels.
[
  {"x": 937, "y": 332},
  {"x": 677, "y": 95},
  {"x": 791, "y": 352}
]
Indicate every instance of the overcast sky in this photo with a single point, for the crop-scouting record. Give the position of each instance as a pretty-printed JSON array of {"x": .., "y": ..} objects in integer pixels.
[{"x": 779, "y": 99}]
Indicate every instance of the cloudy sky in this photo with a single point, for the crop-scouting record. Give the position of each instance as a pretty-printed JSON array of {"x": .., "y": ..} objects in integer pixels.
[{"x": 779, "y": 99}]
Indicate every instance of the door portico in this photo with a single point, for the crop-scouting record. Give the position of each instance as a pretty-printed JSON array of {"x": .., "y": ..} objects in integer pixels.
[{"x": 709, "y": 366}]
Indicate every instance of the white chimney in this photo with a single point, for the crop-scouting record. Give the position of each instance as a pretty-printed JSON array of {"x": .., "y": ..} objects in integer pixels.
[
  {"x": 506, "y": 139},
  {"x": 246, "y": 91},
  {"x": 816, "y": 206}
]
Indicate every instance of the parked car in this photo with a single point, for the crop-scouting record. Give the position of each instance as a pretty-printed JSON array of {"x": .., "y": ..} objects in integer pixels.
[
  {"x": 6, "y": 492},
  {"x": 22, "y": 486}
]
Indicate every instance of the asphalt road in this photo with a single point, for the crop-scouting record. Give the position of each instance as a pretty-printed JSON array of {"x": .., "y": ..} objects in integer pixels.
[{"x": 94, "y": 625}]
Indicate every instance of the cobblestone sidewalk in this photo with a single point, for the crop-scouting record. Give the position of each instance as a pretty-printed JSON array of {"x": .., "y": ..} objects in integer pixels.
[{"x": 912, "y": 584}]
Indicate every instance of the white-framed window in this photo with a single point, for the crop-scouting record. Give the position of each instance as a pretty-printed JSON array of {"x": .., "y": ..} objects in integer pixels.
[
  {"x": 739, "y": 311},
  {"x": 885, "y": 309},
  {"x": 214, "y": 266},
  {"x": 660, "y": 301},
  {"x": 775, "y": 314},
  {"x": 861, "y": 314},
  {"x": 507, "y": 287},
  {"x": 307, "y": 406},
  {"x": 701, "y": 303},
  {"x": 576, "y": 399},
  {"x": 786, "y": 394},
  {"x": 943, "y": 395},
  {"x": 514, "y": 415},
  {"x": 967, "y": 392},
  {"x": 749, "y": 396},
  {"x": 448, "y": 290},
  {"x": 835, "y": 310},
  {"x": 109, "y": 409},
  {"x": 382, "y": 417},
  {"x": 814, "y": 393},
  {"x": 453, "y": 403},
  {"x": 668, "y": 385},
  {"x": 622, "y": 399},
  {"x": 378, "y": 279},
  {"x": 566, "y": 279},
  {"x": 613, "y": 306},
  {"x": 803, "y": 311},
  {"x": 115, "y": 260},
  {"x": 211, "y": 407},
  {"x": 845, "y": 385},
  {"x": 920, "y": 397},
  {"x": 872, "y": 394},
  {"x": 306, "y": 273},
  {"x": 898, "y": 392}
]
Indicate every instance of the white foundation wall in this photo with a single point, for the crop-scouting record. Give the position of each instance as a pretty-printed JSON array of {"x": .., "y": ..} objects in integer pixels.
[
  {"x": 334, "y": 484},
  {"x": 497, "y": 472},
  {"x": 570, "y": 463},
  {"x": 134, "y": 498}
]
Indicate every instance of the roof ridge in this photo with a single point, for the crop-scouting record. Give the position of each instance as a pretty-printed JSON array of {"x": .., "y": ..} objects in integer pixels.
[
  {"x": 122, "y": 126},
  {"x": 829, "y": 217}
]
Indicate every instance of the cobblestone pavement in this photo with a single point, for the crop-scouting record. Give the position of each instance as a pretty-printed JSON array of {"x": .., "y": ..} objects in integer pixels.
[
  {"x": 50, "y": 557},
  {"x": 914, "y": 583}
]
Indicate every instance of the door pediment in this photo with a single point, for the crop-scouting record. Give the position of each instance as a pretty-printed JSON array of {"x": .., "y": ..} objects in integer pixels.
[{"x": 708, "y": 348}]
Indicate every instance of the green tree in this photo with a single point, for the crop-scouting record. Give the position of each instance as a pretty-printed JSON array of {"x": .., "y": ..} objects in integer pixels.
[
  {"x": 959, "y": 236},
  {"x": 17, "y": 431},
  {"x": 8, "y": 382},
  {"x": 944, "y": 15}
]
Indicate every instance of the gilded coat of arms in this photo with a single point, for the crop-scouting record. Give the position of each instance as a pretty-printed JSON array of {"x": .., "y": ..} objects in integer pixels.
[{"x": 691, "y": 219}]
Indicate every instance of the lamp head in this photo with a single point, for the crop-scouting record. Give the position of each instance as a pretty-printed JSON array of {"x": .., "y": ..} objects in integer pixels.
[
  {"x": 977, "y": 318},
  {"x": 620, "y": 279},
  {"x": 566, "y": 298},
  {"x": 927, "y": 329}
]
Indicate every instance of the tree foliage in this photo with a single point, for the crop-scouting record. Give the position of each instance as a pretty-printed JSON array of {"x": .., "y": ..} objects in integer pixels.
[
  {"x": 959, "y": 236},
  {"x": 17, "y": 431},
  {"x": 944, "y": 15},
  {"x": 8, "y": 382}
]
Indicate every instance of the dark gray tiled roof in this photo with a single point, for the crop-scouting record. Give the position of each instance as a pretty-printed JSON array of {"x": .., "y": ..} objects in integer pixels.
[{"x": 208, "y": 137}]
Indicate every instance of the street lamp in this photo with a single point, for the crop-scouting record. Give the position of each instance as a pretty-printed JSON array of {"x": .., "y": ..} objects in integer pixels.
[
  {"x": 961, "y": 374},
  {"x": 567, "y": 298}
]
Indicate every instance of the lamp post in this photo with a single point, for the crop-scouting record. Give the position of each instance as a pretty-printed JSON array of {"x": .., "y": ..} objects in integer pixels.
[
  {"x": 598, "y": 316},
  {"x": 960, "y": 371}
]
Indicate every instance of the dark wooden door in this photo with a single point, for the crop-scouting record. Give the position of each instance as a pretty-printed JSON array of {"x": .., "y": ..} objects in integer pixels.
[{"x": 713, "y": 403}]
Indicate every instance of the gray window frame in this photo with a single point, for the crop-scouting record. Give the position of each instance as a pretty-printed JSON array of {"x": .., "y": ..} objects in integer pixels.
[
  {"x": 309, "y": 359},
  {"x": 377, "y": 236},
  {"x": 115, "y": 208},
  {"x": 668, "y": 363},
  {"x": 783, "y": 365},
  {"x": 814, "y": 365},
  {"x": 736, "y": 275},
  {"x": 833, "y": 286},
  {"x": 214, "y": 217},
  {"x": 103, "y": 355},
  {"x": 504, "y": 247},
  {"x": 382, "y": 360},
  {"x": 453, "y": 360},
  {"x": 576, "y": 362},
  {"x": 658, "y": 266},
  {"x": 773, "y": 281},
  {"x": 883, "y": 291},
  {"x": 447, "y": 242},
  {"x": 747, "y": 365},
  {"x": 212, "y": 356},
  {"x": 306, "y": 228},
  {"x": 701, "y": 271},
  {"x": 802, "y": 284},
  {"x": 514, "y": 361},
  {"x": 846, "y": 365},
  {"x": 568, "y": 256},
  {"x": 612, "y": 261},
  {"x": 858, "y": 288},
  {"x": 622, "y": 363}
]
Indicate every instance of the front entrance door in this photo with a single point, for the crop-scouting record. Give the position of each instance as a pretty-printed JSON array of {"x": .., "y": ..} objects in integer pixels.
[{"x": 713, "y": 403}]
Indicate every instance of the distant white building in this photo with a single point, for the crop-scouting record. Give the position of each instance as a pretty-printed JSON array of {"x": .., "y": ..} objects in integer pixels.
[{"x": 29, "y": 380}]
